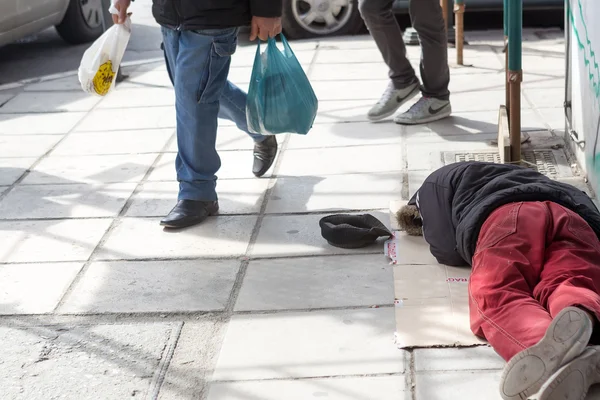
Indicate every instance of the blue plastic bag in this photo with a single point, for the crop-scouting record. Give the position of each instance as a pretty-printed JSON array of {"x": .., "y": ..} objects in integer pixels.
[{"x": 280, "y": 97}]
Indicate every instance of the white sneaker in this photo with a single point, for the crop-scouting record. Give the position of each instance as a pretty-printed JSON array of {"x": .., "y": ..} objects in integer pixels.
[
  {"x": 566, "y": 338},
  {"x": 573, "y": 380},
  {"x": 391, "y": 100},
  {"x": 427, "y": 109}
]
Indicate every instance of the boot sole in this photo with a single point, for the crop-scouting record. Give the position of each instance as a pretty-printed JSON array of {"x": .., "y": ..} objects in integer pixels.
[
  {"x": 573, "y": 381},
  {"x": 427, "y": 120},
  {"x": 409, "y": 97},
  {"x": 566, "y": 338}
]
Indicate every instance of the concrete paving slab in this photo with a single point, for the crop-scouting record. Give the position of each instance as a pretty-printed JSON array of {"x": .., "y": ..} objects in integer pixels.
[
  {"x": 463, "y": 123},
  {"x": 553, "y": 118},
  {"x": 47, "y": 102},
  {"x": 26, "y": 145},
  {"x": 153, "y": 286},
  {"x": 234, "y": 165},
  {"x": 467, "y": 102},
  {"x": 316, "y": 282},
  {"x": 5, "y": 97},
  {"x": 457, "y": 359},
  {"x": 91, "y": 169},
  {"x": 300, "y": 235},
  {"x": 192, "y": 361},
  {"x": 465, "y": 385},
  {"x": 545, "y": 97},
  {"x": 70, "y": 83},
  {"x": 341, "y": 160},
  {"x": 139, "y": 97},
  {"x": 350, "y": 90},
  {"x": 144, "y": 77},
  {"x": 340, "y": 111},
  {"x": 548, "y": 79},
  {"x": 119, "y": 361},
  {"x": 44, "y": 123},
  {"x": 217, "y": 237},
  {"x": 355, "y": 56},
  {"x": 236, "y": 196},
  {"x": 315, "y": 344},
  {"x": 341, "y": 71},
  {"x": 49, "y": 241},
  {"x": 354, "y": 134},
  {"x": 364, "y": 388},
  {"x": 11, "y": 169},
  {"x": 334, "y": 192},
  {"x": 119, "y": 119},
  {"x": 65, "y": 201},
  {"x": 473, "y": 63},
  {"x": 34, "y": 288},
  {"x": 116, "y": 142}
]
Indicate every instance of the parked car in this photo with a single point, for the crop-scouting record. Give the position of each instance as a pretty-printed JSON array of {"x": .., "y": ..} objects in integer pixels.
[
  {"x": 77, "y": 21},
  {"x": 314, "y": 18}
]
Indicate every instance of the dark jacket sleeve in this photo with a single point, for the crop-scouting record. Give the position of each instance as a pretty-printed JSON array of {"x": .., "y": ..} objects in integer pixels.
[
  {"x": 266, "y": 8},
  {"x": 435, "y": 206}
]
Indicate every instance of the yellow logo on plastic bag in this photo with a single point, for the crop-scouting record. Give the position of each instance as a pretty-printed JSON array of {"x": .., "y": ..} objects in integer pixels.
[{"x": 104, "y": 78}]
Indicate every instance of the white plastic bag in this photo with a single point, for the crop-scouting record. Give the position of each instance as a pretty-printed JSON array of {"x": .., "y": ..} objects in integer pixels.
[{"x": 100, "y": 63}]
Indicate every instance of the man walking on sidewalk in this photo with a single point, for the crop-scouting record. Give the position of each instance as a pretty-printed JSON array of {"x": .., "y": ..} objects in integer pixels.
[
  {"x": 428, "y": 21},
  {"x": 534, "y": 290},
  {"x": 199, "y": 39}
]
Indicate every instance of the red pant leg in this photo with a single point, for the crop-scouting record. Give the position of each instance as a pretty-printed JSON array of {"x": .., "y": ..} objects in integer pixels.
[
  {"x": 506, "y": 268},
  {"x": 571, "y": 273}
]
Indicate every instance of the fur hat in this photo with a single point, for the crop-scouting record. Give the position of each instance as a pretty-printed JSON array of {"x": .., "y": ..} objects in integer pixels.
[{"x": 409, "y": 220}]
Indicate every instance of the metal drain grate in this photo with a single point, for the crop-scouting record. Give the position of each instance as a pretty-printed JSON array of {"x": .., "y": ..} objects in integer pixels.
[
  {"x": 482, "y": 157},
  {"x": 542, "y": 161}
]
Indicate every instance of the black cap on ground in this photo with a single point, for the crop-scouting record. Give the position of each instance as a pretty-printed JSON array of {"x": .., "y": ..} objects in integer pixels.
[{"x": 352, "y": 231}]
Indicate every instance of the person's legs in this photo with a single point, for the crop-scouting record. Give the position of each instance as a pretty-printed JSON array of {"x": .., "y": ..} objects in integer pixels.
[
  {"x": 198, "y": 63},
  {"x": 428, "y": 21},
  {"x": 571, "y": 277},
  {"x": 507, "y": 266},
  {"x": 386, "y": 32},
  {"x": 233, "y": 108},
  {"x": 571, "y": 274}
]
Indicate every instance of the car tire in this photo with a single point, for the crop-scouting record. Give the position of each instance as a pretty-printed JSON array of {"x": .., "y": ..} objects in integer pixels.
[
  {"x": 75, "y": 29},
  {"x": 351, "y": 22}
]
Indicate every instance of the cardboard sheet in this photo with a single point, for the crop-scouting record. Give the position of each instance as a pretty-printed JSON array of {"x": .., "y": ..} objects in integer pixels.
[{"x": 432, "y": 306}]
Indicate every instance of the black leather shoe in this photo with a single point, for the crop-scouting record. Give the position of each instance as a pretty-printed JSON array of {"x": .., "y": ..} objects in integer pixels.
[
  {"x": 264, "y": 155},
  {"x": 189, "y": 212}
]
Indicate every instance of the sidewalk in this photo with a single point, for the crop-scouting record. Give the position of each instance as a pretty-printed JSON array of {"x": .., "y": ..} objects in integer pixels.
[{"x": 98, "y": 302}]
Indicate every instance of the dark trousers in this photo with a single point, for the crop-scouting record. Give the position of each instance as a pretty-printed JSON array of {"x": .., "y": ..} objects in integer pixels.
[{"x": 428, "y": 21}]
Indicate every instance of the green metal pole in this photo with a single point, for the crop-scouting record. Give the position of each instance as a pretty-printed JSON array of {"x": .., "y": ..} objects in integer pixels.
[
  {"x": 515, "y": 75},
  {"x": 506, "y": 3},
  {"x": 515, "y": 34}
]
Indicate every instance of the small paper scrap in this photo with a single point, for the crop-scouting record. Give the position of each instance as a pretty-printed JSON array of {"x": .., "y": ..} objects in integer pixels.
[{"x": 390, "y": 249}]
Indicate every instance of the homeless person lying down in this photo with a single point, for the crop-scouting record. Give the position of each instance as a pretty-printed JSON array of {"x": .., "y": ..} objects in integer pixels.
[{"x": 533, "y": 244}]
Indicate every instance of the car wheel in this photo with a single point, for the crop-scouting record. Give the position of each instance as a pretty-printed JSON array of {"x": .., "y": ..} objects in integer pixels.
[
  {"x": 84, "y": 21},
  {"x": 319, "y": 18}
]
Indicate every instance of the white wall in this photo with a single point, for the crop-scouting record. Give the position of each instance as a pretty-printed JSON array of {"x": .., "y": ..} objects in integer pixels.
[{"x": 585, "y": 84}]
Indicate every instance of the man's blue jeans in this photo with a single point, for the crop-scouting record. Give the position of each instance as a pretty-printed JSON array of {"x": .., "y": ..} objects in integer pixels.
[{"x": 198, "y": 64}]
